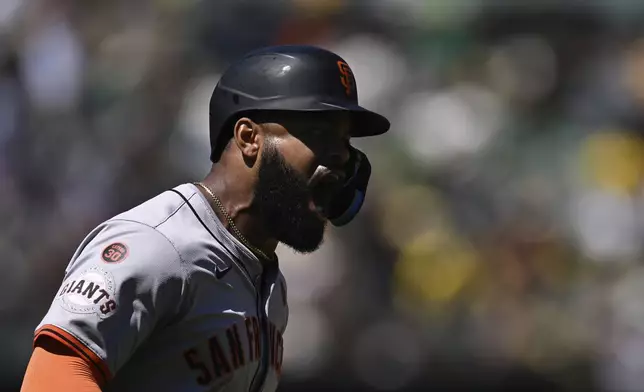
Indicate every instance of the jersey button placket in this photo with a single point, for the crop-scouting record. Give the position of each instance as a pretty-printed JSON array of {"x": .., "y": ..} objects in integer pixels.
[{"x": 257, "y": 385}]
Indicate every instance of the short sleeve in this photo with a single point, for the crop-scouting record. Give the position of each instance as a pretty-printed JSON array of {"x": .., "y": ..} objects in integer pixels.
[{"x": 125, "y": 280}]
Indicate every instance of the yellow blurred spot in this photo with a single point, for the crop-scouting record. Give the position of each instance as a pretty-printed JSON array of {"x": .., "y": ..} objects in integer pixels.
[
  {"x": 615, "y": 161},
  {"x": 407, "y": 211},
  {"x": 434, "y": 267}
]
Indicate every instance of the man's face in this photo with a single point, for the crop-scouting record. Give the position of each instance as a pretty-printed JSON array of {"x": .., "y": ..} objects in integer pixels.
[{"x": 288, "y": 197}]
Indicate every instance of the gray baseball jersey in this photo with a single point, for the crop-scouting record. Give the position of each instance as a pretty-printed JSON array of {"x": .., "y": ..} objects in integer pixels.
[{"x": 164, "y": 298}]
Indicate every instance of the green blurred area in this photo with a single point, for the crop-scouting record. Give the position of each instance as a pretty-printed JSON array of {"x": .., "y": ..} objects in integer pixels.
[{"x": 501, "y": 243}]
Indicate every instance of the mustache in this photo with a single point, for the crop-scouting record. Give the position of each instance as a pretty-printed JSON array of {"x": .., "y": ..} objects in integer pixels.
[{"x": 288, "y": 184}]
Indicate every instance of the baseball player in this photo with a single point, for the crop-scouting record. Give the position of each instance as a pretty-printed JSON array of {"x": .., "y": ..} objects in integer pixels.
[{"x": 184, "y": 292}]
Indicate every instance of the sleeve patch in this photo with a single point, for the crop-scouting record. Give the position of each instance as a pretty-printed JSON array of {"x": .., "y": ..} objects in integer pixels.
[
  {"x": 115, "y": 253},
  {"x": 91, "y": 292}
]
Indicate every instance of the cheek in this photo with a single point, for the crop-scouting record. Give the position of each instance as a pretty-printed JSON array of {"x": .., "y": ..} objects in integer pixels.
[{"x": 299, "y": 156}]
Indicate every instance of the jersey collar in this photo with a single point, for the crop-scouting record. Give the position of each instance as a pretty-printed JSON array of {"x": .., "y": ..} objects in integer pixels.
[{"x": 250, "y": 262}]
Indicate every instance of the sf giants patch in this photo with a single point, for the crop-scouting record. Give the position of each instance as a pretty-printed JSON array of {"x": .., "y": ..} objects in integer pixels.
[
  {"x": 114, "y": 253},
  {"x": 91, "y": 292},
  {"x": 346, "y": 77}
]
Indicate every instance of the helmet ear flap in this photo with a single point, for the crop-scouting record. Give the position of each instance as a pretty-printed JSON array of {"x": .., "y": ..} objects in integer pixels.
[{"x": 349, "y": 200}]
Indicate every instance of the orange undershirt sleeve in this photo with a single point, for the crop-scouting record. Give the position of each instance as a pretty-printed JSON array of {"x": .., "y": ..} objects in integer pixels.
[{"x": 55, "y": 367}]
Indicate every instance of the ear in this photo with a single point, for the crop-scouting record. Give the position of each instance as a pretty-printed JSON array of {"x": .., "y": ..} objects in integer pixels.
[{"x": 247, "y": 137}]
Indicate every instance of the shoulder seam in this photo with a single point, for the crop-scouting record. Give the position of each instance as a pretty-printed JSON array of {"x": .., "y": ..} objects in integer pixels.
[
  {"x": 183, "y": 267},
  {"x": 181, "y": 259},
  {"x": 172, "y": 214}
]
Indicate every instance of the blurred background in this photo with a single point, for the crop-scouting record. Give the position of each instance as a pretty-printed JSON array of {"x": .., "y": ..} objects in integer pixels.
[{"x": 501, "y": 244}]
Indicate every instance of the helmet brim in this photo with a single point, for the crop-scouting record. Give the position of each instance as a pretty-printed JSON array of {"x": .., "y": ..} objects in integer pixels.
[{"x": 365, "y": 122}]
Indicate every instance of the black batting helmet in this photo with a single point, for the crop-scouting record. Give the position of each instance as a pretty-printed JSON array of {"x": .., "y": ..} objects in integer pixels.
[{"x": 287, "y": 78}]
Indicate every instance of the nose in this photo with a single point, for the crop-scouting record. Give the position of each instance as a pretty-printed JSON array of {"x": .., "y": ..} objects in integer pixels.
[{"x": 339, "y": 155}]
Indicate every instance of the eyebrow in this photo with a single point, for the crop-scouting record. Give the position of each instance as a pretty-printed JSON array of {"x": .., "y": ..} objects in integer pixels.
[
  {"x": 329, "y": 129},
  {"x": 337, "y": 127}
]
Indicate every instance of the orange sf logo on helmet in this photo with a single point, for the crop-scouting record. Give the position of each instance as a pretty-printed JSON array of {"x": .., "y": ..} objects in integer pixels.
[{"x": 346, "y": 77}]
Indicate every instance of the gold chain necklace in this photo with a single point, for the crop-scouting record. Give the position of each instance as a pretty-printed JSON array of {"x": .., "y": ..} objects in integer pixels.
[{"x": 231, "y": 224}]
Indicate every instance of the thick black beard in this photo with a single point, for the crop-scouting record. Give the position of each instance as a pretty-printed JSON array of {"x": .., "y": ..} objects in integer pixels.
[{"x": 282, "y": 202}]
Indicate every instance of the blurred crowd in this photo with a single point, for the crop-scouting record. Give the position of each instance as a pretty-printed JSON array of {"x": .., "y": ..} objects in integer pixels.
[{"x": 501, "y": 244}]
